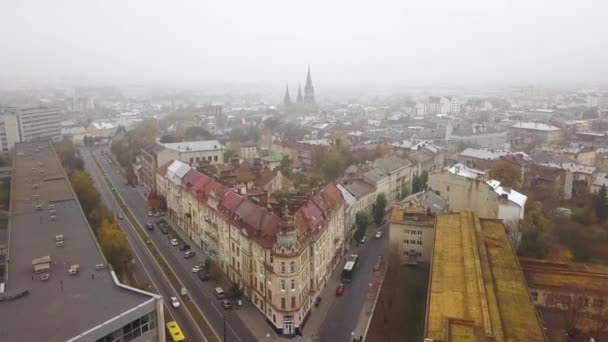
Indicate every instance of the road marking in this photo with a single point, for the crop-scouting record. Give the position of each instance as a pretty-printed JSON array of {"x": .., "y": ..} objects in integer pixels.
[
  {"x": 175, "y": 253},
  {"x": 147, "y": 249}
]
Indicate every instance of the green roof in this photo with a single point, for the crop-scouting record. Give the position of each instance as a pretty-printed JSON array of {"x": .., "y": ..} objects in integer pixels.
[{"x": 273, "y": 157}]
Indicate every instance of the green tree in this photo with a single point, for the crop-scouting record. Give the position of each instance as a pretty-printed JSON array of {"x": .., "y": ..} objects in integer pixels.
[
  {"x": 286, "y": 167},
  {"x": 196, "y": 133},
  {"x": 601, "y": 204},
  {"x": 272, "y": 123},
  {"x": 234, "y": 292},
  {"x": 404, "y": 191},
  {"x": 537, "y": 235},
  {"x": 230, "y": 152},
  {"x": 169, "y": 138},
  {"x": 505, "y": 172},
  {"x": 379, "y": 208},
  {"x": 330, "y": 162},
  {"x": 419, "y": 182},
  {"x": 281, "y": 198},
  {"x": 362, "y": 220}
]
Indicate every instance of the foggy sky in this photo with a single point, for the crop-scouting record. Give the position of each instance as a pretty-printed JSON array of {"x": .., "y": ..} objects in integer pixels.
[{"x": 345, "y": 42}]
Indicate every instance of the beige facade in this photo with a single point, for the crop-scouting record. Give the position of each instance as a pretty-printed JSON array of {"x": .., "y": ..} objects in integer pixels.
[
  {"x": 411, "y": 233},
  {"x": 281, "y": 264},
  {"x": 192, "y": 153}
]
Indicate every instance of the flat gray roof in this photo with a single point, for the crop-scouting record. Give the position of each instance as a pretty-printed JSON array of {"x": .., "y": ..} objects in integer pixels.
[{"x": 65, "y": 305}]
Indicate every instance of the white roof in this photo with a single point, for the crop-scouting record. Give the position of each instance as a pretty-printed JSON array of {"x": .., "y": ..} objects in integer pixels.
[
  {"x": 349, "y": 266},
  {"x": 513, "y": 196},
  {"x": 315, "y": 142},
  {"x": 578, "y": 168},
  {"x": 536, "y": 126},
  {"x": 102, "y": 125},
  {"x": 176, "y": 171},
  {"x": 465, "y": 171},
  {"x": 483, "y": 153},
  {"x": 195, "y": 146}
]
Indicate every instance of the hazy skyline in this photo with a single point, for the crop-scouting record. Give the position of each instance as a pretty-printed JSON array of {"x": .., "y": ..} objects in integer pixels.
[{"x": 273, "y": 42}]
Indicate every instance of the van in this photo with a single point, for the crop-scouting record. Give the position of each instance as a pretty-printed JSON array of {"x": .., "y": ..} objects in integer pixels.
[{"x": 219, "y": 293}]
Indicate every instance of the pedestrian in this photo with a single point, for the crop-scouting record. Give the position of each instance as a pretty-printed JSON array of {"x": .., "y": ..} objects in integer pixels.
[{"x": 92, "y": 275}]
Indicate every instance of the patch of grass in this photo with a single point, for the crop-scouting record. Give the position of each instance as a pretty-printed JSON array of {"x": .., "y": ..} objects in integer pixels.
[{"x": 208, "y": 332}]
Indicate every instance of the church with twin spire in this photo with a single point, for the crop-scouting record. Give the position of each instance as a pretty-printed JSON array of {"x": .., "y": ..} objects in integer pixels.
[{"x": 306, "y": 101}]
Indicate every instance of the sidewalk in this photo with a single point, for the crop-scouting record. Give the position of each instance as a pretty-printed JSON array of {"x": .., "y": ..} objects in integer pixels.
[
  {"x": 254, "y": 319},
  {"x": 371, "y": 298}
]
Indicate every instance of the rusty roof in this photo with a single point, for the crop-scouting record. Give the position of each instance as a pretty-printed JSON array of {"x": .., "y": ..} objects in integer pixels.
[{"x": 579, "y": 277}]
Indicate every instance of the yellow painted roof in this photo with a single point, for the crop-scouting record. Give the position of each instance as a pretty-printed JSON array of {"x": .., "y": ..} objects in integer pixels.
[{"x": 475, "y": 277}]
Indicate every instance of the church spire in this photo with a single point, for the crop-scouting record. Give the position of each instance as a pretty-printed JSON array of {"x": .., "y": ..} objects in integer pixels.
[
  {"x": 287, "y": 98},
  {"x": 309, "y": 90},
  {"x": 300, "y": 98}
]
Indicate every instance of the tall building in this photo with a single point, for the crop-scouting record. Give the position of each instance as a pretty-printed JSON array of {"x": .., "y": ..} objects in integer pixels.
[
  {"x": 40, "y": 123},
  {"x": 309, "y": 90},
  {"x": 58, "y": 286},
  {"x": 300, "y": 99},
  {"x": 9, "y": 130},
  {"x": 287, "y": 98}
]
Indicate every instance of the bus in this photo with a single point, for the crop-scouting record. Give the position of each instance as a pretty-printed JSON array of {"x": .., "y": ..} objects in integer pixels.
[
  {"x": 174, "y": 333},
  {"x": 349, "y": 268}
]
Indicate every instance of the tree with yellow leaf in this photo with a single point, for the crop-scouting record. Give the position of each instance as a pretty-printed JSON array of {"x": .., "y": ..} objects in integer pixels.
[{"x": 113, "y": 242}]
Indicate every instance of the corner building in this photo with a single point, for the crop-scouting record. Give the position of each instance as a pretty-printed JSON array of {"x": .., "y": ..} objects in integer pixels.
[{"x": 281, "y": 263}]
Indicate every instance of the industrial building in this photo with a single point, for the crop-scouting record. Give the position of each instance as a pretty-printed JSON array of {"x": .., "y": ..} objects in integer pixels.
[{"x": 56, "y": 284}]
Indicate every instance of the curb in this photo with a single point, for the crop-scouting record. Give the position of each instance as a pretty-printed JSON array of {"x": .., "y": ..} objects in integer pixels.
[
  {"x": 136, "y": 225},
  {"x": 369, "y": 320}
]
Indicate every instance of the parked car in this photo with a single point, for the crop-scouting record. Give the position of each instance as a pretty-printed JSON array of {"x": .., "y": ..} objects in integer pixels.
[
  {"x": 363, "y": 239},
  {"x": 119, "y": 216},
  {"x": 340, "y": 289},
  {"x": 226, "y": 304},
  {"x": 163, "y": 229},
  {"x": 149, "y": 226},
  {"x": 150, "y": 213},
  {"x": 197, "y": 268},
  {"x": 175, "y": 302},
  {"x": 378, "y": 234},
  {"x": 189, "y": 254},
  {"x": 184, "y": 246},
  {"x": 203, "y": 276},
  {"x": 158, "y": 214},
  {"x": 174, "y": 242}
]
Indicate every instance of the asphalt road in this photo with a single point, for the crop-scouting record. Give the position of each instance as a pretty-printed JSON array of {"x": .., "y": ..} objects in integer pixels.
[
  {"x": 143, "y": 257},
  {"x": 343, "y": 316},
  {"x": 200, "y": 292}
]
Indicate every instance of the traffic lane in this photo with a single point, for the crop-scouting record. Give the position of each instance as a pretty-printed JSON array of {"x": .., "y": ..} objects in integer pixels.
[
  {"x": 145, "y": 258},
  {"x": 236, "y": 331},
  {"x": 344, "y": 313}
]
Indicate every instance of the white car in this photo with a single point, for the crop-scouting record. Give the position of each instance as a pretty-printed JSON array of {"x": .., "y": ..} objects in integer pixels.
[
  {"x": 197, "y": 268},
  {"x": 150, "y": 213},
  {"x": 174, "y": 242},
  {"x": 175, "y": 302},
  {"x": 378, "y": 234}
]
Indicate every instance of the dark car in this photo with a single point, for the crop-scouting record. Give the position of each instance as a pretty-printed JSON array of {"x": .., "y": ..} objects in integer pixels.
[
  {"x": 163, "y": 230},
  {"x": 189, "y": 254},
  {"x": 203, "y": 276},
  {"x": 184, "y": 246},
  {"x": 149, "y": 226}
]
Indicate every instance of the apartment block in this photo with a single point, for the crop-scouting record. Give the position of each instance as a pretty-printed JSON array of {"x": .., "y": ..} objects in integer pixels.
[
  {"x": 281, "y": 263},
  {"x": 28, "y": 124}
]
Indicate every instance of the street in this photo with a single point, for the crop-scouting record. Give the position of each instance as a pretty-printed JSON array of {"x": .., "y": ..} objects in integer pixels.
[
  {"x": 343, "y": 316},
  {"x": 143, "y": 257},
  {"x": 200, "y": 292}
]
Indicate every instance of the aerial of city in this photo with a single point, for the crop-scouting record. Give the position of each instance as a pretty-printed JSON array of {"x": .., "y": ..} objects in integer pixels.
[{"x": 323, "y": 171}]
